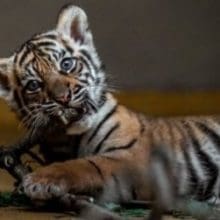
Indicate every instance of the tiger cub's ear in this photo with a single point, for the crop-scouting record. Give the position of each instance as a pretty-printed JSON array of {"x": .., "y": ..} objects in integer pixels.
[
  {"x": 73, "y": 22},
  {"x": 5, "y": 76}
]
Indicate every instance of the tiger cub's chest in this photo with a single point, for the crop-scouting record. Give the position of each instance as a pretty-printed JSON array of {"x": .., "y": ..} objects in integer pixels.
[{"x": 59, "y": 147}]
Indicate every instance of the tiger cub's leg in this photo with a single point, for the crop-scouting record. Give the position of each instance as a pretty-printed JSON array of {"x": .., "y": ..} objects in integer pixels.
[
  {"x": 215, "y": 198},
  {"x": 87, "y": 175}
]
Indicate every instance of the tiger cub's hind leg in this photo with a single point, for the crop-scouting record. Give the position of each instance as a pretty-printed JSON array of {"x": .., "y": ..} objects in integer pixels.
[{"x": 215, "y": 198}]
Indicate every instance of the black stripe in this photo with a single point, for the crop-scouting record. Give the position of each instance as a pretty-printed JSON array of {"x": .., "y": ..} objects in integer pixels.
[
  {"x": 103, "y": 99},
  {"x": 29, "y": 73},
  {"x": 89, "y": 58},
  {"x": 52, "y": 50},
  {"x": 55, "y": 53},
  {"x": 68, "y": 48},
  {"x": 55, "y": 57},
  {"x": 24, "y": 55},
  {"x": 45, "y": 44},
  {"x": 30, "y": 61},
  {"x": 207, "y": 165},
  {"x": 124, "y": 147},
  {"x": 88, "y": 67},
  {"x": 35, "y": 67},
  {"x": 16, "y": 57},
  {"x": 83, "y": 81},
  {"x": 107, "y": 157},
  {"x": 194, "y": 182},
  {"x": 98, "y": 147},
  {"x": 193, "y": 177},
  {"x": 49, "y": 36},
  {"x": 107, "y": 116},
  {"x": 80, "y": 68},
  {"x": 99, "y": 171},
  {"x": 210, "y": 132},
  {"x": 90, "y": 103},
  {"x": 79, "y": 95}
]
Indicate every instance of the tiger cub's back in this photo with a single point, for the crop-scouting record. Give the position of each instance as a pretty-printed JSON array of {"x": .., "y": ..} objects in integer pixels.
[{"x": 195, "y": 144}]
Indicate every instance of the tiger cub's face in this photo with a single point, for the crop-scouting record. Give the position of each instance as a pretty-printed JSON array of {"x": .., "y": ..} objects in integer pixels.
[{"x": 56, "y": 75}]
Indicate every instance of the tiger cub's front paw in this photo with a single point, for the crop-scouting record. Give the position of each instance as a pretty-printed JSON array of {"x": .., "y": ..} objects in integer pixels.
[{"x": 47, "y": 182}]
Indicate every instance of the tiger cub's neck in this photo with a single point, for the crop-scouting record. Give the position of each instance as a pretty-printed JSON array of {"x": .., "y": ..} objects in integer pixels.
[{"x": 90, "y": 121}]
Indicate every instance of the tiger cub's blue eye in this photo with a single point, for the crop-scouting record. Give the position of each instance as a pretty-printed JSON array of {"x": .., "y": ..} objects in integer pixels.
[
  {"x": 68, "y": 64},
  {"x": 33, "y": 85}
]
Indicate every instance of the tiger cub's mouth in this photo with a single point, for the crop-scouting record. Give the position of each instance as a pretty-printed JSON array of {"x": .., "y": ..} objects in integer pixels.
[{"x": 70, "y": 115}]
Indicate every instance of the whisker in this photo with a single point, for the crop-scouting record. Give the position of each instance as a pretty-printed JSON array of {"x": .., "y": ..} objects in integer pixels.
[
  {"x": 49, "y": 105},
  {"x": 105, "y": 87},
  {"x": 27, "y": 119},
  {"x": 27, "y": 107},
  {"x": 24, "y": 119}
]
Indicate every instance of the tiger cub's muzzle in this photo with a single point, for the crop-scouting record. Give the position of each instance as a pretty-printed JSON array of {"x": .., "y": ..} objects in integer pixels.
[{"x": 75, "y": 105}]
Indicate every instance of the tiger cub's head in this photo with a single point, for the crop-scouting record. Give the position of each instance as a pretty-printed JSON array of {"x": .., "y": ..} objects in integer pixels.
[{"x": 56, "y": 75}]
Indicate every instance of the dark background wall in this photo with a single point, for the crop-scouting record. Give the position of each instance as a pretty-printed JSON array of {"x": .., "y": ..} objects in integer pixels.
[{"x": 145, "y": 44}]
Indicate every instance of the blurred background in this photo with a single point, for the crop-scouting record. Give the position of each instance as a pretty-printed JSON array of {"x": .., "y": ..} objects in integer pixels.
[
  {"x": 145, "y": 44},
  {"x": 162, "y": 55}
]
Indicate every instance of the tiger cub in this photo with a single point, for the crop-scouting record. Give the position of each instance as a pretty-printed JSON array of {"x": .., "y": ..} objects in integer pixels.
[{"x": 56, "y": 85}]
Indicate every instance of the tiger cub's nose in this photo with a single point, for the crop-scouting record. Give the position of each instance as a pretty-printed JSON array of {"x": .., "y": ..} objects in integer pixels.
[{"x": 64, "y": 98}]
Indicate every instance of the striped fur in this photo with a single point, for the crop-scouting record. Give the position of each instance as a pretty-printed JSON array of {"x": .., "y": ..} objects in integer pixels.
[{"x": 94, "y": 140}]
